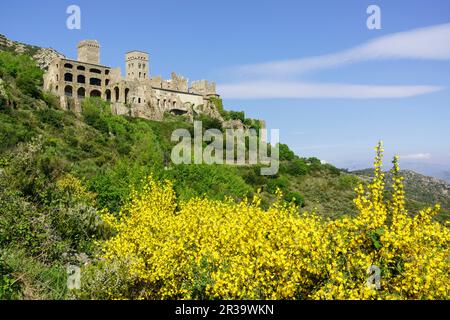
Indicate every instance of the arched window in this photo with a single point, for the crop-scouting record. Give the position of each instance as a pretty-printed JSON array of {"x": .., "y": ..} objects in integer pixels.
[
  {"x": 96, "y": 93},
  {"x": 95, "y": 71},
  {"x": 106, "y": 82},
  {"x": 95, "y": 82},
  {"x": 81, "y": 93},
  {"x": 126, "y": 94},
  {"x": 68, "y": 91},
  {"x": 139, "y": 74},
  {"x": 139, "y": 100},
  {"x": 174, "y": 104},
  {"x": 116, "y": 92},
  {"x": 68, "y": 66},
  {"x": 81, "y": 79},
  {"x": 108, "y": 95},
  {"x": 106, "y": 72},
  {"x": 68, "y": 77},
  {"x": 81, "y": 68}
]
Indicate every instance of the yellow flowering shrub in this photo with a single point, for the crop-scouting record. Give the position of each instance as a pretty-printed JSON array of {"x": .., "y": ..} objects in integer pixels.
[
  {"x": 205, "y": 249},
  {"x": 72, "y": 188}
]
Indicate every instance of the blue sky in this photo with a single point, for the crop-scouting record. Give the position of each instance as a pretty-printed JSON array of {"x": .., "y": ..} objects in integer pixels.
[{"x": 349, "y": 86}]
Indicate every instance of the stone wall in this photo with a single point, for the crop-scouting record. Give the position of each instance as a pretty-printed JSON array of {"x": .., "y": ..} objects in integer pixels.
[{"x": 136, "y": 94}]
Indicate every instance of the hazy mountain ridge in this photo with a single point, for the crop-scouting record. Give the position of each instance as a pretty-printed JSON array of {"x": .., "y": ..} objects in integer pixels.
[{"x": 419, "y": 188}]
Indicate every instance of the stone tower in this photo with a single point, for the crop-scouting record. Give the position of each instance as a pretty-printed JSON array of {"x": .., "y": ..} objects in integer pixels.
[
  {"x": 136, "y": 65},
  {"x": 89, "y": 51}
]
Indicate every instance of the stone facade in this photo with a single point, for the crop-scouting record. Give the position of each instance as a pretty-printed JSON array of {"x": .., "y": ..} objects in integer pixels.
[{"x": 137, "y": 94}]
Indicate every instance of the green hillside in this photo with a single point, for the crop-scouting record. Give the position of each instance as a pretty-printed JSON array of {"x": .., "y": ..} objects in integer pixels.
[{"x": 58, "y": 170}]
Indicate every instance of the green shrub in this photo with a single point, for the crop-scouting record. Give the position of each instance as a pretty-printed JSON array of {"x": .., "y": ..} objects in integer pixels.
[
  {"x": 296, "y": 198},
  {"x": 296, "y": 167},
  {"x": 234, "y": 115},
  {"x": 96, "y": 113},
  {"x": 9, "y": 287},
  {"x": 277, "y": 183},
  {"x": 24, "y": 70},
  {"x": 285, "y": 153},
  {"x": 51, "y": 117},
  {"x": 51, "y": 100},
  {"x": 31, "y": 279},
  {"x": 212, "y": 181},
  {"x": 252, "y": 176},
  {"x": 348, "y": 181},
  {"x": 209, "y": 122}
]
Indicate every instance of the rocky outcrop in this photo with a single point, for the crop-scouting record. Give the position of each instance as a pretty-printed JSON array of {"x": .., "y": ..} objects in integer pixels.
[{"x": 43, "y": 56}]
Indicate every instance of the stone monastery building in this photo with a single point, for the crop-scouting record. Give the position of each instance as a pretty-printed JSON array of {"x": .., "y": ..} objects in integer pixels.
[{"x": 137, "y": 94}]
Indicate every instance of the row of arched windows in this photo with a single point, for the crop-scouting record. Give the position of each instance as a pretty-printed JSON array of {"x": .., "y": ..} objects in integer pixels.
[
  {"x": 68, "y": 77},
  {"x": 81, "y": 93},
  {"x": 82, "y": 68},
  {"x": 166, "y": 103}
]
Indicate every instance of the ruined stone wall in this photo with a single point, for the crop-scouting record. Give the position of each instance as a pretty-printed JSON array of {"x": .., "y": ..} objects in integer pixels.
[
  {"x": 74, "y": 79},
  {"x": 170, "y": 101},
  {"x": 179, "y": 82},
  {"x": 135, "y": 95},
  {"x": 203, "y": 87}
]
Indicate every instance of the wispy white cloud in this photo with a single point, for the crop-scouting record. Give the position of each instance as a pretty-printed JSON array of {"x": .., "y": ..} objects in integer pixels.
[
  {"x": 429, "y": 43},
  {"x": 417, "y": 156},
  {"x": 296, "y": 90}
]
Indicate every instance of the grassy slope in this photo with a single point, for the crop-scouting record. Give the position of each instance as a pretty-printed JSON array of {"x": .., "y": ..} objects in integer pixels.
[{"x": 109, "y": 155}]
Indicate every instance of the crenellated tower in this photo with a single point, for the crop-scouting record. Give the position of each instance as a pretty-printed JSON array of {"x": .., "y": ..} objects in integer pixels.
[
  {"x": 89, "y": 51},
  {"x": 136, "y": 65}
]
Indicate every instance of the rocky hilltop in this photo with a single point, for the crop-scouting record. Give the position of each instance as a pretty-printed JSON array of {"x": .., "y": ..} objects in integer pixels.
[{"x": 43, "y": 56}]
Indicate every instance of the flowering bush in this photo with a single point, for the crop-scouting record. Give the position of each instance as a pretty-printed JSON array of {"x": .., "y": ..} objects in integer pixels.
[{"x": 208, "y": 249}]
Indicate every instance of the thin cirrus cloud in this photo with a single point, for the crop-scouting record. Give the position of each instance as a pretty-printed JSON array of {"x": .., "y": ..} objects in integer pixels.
[
  {"x": 298, "y": 90},
  {"x": 430, "y": 43},
  {"x": 417, "y": 156}
]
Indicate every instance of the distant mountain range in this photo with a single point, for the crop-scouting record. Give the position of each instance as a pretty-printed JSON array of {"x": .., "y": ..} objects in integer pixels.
[
  {"x": 421, "y": 190},
  {"x": 439, "y": 171}
]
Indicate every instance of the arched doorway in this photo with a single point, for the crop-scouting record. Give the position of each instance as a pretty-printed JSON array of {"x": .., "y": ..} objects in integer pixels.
[
  {"x": 108, "y": 95},
  {"x": 96, "y": 93},
  {"x": 116, "y": 93},
  {"x": 81, "y": 93},
  {"x": 68, "y": 91},
  {"x": 126, "y": 94}
]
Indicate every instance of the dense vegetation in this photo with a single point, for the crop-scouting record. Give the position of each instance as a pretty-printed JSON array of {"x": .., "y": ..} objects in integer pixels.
[
  {"x": 60, "y": 172},
  {"x": 210, "y": 249}
]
